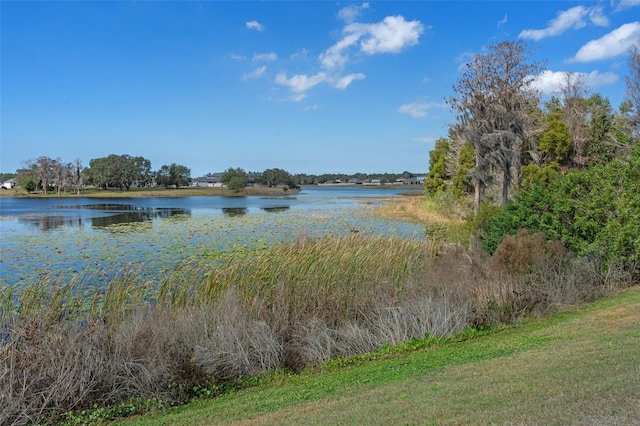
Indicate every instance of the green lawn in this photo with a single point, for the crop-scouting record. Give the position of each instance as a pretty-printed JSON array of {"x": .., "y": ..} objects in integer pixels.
[{"x": 580, "y": 367}]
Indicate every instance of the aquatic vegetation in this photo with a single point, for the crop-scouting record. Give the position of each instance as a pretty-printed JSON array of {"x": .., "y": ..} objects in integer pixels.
[{"x": 161, "y": 243}]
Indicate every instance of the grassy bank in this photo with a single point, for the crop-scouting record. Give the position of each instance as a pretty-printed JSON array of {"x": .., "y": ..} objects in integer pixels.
[{"x": 578, "y": 367}]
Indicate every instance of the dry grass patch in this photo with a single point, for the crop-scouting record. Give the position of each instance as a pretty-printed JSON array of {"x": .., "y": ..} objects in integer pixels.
[{"x": 413, "y": 209}]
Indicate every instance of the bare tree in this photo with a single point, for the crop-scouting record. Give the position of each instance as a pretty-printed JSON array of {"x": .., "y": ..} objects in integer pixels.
[
  {"x": 42, "y": 170},
  {"x": 60, "y": 174},
  {"x": 633, "y": 84},
  {"x": 77, "y": 174},
  {"x": 492, "y": 99},
  {"x": 574, "y": 92}
]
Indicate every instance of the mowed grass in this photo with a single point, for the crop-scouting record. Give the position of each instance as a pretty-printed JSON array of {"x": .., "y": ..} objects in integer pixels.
[{"x": 580, "y": 367}]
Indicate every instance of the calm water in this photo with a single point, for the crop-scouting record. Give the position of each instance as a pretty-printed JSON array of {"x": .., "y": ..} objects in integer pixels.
[{"x": 61, "y": 236}]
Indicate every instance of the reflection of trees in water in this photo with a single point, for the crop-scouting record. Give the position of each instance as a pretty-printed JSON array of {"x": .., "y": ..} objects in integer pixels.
[
  {"x": 48, "y": 223},
  {"x": 128, "y": 214},
  {"x": 139, "y": 215},
  {"x": 234, "y": 211},
  {"x": 278, "y": 209}
]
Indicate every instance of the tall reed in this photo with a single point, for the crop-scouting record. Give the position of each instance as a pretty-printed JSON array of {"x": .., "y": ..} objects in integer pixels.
[{"x": 66, "y": 345}]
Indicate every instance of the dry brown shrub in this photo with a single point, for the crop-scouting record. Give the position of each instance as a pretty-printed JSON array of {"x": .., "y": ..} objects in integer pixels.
[
  {"x": 525, "y": 253},
  {"x": 58, "y": 371},
  {"x": 238, "y": 344}
]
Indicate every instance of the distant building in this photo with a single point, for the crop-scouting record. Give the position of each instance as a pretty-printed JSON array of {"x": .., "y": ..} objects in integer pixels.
[
  {"x": 9, "y": 184},
  {"x": 210, "y": 181}
]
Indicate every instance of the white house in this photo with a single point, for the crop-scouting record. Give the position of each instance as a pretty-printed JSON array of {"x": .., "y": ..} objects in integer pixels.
[{"x": 9, "y": 184}]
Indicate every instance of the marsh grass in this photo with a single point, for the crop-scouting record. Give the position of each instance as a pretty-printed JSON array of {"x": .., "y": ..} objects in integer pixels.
[
  {"x": 420, "y": 209},
  {"x": 216, "y": 320}
]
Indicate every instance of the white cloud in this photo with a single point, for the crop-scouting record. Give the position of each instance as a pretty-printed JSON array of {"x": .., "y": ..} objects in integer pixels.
[
  {"x": 300, "y": 54},
  {"x": 626, "y": 4},
  {"x": 426, "y": 79},
  {"x": 549, "y": 82},
  {"x": 254, "y": 25},
  {"x": 573, "y": 18},
  {"x": 311, "y": 107},
  {"x": 502, "y": 21},
  {"x": 597, "y": 17},
  {"x": 419, "y": 109},
  {"x": 392, "y": 35},
  {"x": 350, "y": 13},
  {"x": 300, "y": 83},
  {"x": 238, "y": 57},
  {"x": 271, "y": 56},
  {"x": 333, "y": 57},
  {"x": 596, "y": 79},
  {"x": 299, "y": 97},
  {"x": 617, "y": 42},
  {"x": 257, "y": 73},
  {"x": 345, "y": 81}
]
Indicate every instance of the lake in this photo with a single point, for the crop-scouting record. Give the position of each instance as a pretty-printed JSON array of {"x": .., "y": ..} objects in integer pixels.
[{"x": 48, "y": 237}]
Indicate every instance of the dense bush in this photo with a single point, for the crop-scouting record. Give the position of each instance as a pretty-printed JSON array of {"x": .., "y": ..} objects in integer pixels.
[{"x": 594, "y": 212}]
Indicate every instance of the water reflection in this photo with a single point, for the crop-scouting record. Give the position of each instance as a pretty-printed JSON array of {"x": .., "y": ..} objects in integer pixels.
[
  {"x": 234, "y": 211},
  {"x": 50, "y": 222},
  {"x": 106, "y": 215},
  {"x": 103, "y": 206},
  {"x": 137, "y": 216},
  {"x": 278, "y": 209}
]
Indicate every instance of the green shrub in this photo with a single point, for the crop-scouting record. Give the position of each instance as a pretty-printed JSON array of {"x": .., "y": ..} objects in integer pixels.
[{"x": 594, "y": 212}]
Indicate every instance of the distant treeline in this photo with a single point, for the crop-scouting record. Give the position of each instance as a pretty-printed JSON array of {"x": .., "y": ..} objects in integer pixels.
[{"x": 125, "y": 171}]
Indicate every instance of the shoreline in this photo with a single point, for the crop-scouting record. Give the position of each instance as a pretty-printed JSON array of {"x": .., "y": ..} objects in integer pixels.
[
  {"x": 257, "y": 190},
  {"x": 155, "y": 192}
]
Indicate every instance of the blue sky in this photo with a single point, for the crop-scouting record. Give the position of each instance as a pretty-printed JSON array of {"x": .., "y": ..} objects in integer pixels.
[{"x": 310, "y": 87}]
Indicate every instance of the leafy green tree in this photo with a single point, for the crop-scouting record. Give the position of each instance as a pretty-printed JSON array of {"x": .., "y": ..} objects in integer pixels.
[
  {"x": 462, "y": 184},
  {"x": 532, "y": 173},
  {"x": 30, "y": 185},
  {"x": 438, "y": 176},
  {"x": 173, "y": 175},
  {"x": 120, "y": 171},
  {"x": 275, "y": 177},
  {"x": 234, "y": 179},
  {"x": 601, "y": 147},
  {"x": 555, "y": 141},
  {"x": 25, "y": 175},
  {"x": 134, "y": 170}
]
